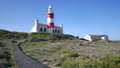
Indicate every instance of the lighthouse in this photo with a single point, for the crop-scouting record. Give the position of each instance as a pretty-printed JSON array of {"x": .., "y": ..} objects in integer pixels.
[
  {"x": 49, "y": 27},
  {"x": 50, "y": 19}
]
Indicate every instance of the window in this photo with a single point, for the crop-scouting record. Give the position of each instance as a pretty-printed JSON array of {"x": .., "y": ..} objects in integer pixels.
[
  {"x": 41, "y": 30},
  {"x": 58, "y": 31},
  {"x": 53, "y": 31},
  {"x": 44, "y": 29}
]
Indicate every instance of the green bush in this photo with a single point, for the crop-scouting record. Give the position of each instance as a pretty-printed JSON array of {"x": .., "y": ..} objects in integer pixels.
[
  {"x": 2, "y": 44},
  {"x": 36, "y": 37},
  {"x": 6, "y": 54},
  {"x": 14, "y": 41},
  {"x": 69, "y": 63},
  {"x": 107, "y": 62},
  {"x": 72, "y": 54},
  {"x": 65, "y": 51},
  {"x": 4, "y": 34}
]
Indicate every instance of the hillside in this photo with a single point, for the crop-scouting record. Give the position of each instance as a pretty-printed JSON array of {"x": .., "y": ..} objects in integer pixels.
[
  {"x": 60, "y": 50},
  {"x": 4, "y": 34},
  {"x": 36, "y": 37},
  {"x": 67, "y": 51},
  {"x": 7, "y": 40},
  {"x": 6, "y": 53}
]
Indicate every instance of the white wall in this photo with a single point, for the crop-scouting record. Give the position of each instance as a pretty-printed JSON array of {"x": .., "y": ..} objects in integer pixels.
[
  {"x": 42, "y": 28},
  {"x": 96, "y": 37}
]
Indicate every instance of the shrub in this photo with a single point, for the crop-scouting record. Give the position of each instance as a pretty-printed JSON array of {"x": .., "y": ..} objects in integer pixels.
[
  {"x": 2, "y": 44},
  {"x": 107, "y": 62},
  {"x": 72, "y": 54},
  {"x": 69, "y": 63},
  {"x": 6, "y": 54},
  {"x": 47, "y": 36},
  {"x": 4, "y": 34},
  {"x": 65, "y": 51},
  {"x": 13, "y": 41}
]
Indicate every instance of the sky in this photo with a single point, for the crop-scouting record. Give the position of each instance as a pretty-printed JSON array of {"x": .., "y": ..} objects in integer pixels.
[{"x": 79, "y": 17}]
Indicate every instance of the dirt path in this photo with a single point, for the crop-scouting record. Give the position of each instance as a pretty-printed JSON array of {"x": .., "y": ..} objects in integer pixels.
[{"x": 24, "y": 61}]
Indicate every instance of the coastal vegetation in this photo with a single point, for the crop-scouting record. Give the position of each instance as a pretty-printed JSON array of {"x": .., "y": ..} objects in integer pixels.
[
  {"x": 60, "y": 50},
  {"x": 4, "y": 34},
  {"x": 6, "y": 53},
  {"x": 7, "y": 40},
  {"x": 67, "y": 51}
]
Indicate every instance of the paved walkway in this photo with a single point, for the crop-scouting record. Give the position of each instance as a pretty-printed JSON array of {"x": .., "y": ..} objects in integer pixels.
[{"x": 24, "y": 61}]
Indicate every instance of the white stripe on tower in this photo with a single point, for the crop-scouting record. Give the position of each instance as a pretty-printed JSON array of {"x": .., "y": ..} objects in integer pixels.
[{"x": 50, "y": 21}]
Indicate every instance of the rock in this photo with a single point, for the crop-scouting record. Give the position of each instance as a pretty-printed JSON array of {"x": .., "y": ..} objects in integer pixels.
[{"x": 79, "y": 44}]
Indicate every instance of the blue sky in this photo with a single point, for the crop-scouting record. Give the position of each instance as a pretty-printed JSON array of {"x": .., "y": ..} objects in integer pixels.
[{"x": 79, "y": 17}]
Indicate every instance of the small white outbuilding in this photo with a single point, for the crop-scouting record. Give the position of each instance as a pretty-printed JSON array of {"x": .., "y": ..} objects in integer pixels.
[{"x": 90, "y": 37}]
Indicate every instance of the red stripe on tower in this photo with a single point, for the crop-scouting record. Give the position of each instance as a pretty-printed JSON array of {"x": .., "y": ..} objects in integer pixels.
[
  {"x": 50, "y": 21},
  {"x": 50, "y": 15}
]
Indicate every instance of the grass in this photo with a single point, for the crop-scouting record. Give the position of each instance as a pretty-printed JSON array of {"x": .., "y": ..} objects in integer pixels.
[
  {"x": 74, "y": 53},
  {"x": 7, "y": 40},
  {"x": 60, "y": 50},
  {"x": 107, "y": 62},
  {"x": 6, "y": 54}
]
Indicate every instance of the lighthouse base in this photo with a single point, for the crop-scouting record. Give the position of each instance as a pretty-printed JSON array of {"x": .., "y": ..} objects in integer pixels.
[{"x": 43, "y": 28}]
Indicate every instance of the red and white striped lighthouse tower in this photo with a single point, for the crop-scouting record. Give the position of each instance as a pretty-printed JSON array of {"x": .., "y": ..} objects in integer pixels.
[{"x": 50, "y": 19}]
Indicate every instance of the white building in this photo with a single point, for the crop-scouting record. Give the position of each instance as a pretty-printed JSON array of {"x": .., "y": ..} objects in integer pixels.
[
  {"x": 49, "y": 27},
  {"x": 90, "y": 37}
]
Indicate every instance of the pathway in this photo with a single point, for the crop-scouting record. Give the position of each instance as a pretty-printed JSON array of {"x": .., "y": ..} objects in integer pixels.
[{"x": 23, "y": 61}]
